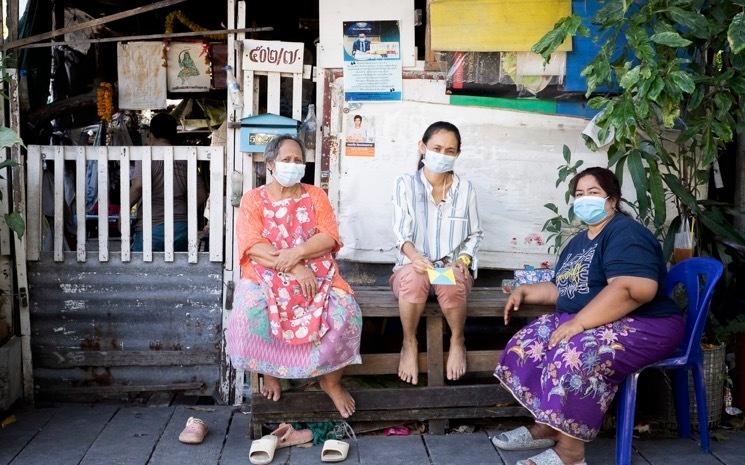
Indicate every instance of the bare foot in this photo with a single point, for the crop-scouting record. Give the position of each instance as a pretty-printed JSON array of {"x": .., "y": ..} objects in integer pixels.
[
  {"x": 408, "y": 366},
  {"x": 456, "y": 366},
  {"x": 272, "y": 390},
  {"x": 343, "y": 400}
]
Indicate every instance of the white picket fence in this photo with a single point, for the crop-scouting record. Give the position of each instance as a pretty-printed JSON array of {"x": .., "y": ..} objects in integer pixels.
[{"x": 57, "y": 155}]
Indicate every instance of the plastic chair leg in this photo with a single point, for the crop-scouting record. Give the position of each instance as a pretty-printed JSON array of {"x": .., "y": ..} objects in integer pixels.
[
  {"x": 680, "y": 395},
  {"x": 701, "y": 407},
  {"x": 625, "y": 419}
]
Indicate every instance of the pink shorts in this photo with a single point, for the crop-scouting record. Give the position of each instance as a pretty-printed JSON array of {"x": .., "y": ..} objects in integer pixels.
[{"x": 414, "y": 287}]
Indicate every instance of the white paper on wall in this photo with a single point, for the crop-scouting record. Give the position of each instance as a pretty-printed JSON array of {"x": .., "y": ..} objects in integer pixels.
[{"x": 141, "y": 76}]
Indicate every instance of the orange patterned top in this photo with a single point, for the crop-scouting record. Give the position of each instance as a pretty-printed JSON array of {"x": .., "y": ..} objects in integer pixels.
[{"x": 250, "y": 225}]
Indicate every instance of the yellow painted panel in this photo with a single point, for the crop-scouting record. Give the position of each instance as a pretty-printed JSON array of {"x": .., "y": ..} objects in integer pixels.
[{"x": 494, "y": 25}]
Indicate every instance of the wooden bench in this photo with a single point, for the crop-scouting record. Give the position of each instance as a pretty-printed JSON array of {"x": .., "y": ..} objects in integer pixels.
[{"x": 435, "y": 402}]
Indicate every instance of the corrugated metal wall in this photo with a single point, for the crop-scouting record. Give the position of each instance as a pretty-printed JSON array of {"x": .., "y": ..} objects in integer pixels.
[{"x": 116, "y": 328}]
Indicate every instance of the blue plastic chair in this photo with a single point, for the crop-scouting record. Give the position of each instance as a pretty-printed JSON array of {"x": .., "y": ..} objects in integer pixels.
[{"x": 699, "y": 276}]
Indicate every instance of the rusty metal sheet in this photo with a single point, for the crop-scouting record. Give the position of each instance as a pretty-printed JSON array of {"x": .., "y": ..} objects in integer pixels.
[{"x": 117, "y": 327}]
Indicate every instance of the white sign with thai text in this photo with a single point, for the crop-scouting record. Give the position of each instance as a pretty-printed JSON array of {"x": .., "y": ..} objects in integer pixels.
[{"x": 274, "y": 56}]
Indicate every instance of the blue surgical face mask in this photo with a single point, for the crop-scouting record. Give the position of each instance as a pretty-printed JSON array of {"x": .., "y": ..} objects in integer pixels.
[
  {"x": 288, "y": 174},
  {"x": 590, "y": 209},
  {"x": 438, "y": 162}
]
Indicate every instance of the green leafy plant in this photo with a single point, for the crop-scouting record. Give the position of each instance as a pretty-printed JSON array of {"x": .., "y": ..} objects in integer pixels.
[
  {"x": 559, "y": 226},
  {"x": 680, "y": 65}
]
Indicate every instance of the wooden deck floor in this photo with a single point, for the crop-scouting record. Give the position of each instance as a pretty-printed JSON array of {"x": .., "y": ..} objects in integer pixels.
[{"x": 113, "y": 435}]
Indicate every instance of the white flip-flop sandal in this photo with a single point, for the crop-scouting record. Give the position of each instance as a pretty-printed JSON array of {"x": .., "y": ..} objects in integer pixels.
[
  {"x": 334, "y": 451},
  {"x": 262, "y": 450},
  {"x": 520, "y": 439},
  {"x": 547, "y": 457}
]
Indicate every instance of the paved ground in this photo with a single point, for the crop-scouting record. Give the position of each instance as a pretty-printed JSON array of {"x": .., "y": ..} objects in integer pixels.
[{"x": 114, "y": 435}]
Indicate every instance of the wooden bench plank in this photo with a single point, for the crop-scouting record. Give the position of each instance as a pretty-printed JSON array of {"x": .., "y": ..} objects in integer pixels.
[
  {"x": 414, "y": 414},
  {"x": 484, "y": 395},
  {"x": 378, "y": 301},
  {"x": 479, "y": 361},
  {"x": 130, "y": 436},
  {"x": 473, "y": 449}
]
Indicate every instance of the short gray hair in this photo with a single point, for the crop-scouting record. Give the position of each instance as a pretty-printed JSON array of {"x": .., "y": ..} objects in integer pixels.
[{"x": 272, "y": 148}]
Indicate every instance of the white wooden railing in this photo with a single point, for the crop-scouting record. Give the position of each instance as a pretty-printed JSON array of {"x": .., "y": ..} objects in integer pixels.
[{"x": 57, "y": 155}]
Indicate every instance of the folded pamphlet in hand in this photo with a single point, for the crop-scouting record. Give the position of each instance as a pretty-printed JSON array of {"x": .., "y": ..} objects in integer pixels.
[{"x": 441, "y": 276}]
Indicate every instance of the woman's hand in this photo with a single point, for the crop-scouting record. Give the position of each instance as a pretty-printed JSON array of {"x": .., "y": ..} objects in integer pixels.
[
  {"x": 421, "y": 264},
  {"x": 306, "y": 279},
  {"x": 287, "y": 259},
  {"x": 513, "y": 303},
  {"x": 564, "y": 332}
]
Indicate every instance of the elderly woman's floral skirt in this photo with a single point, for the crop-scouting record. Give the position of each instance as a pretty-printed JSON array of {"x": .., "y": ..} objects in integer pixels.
[
  {"x": 252, "y": 347},
  {"x": 571, "y": 386}
]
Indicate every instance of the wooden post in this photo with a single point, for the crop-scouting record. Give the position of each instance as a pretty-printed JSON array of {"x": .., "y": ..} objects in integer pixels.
[
  {"x": 103, "y": 203},
  {"x": 147, "y": 205},
  {"x": 19, "y": 206},
  {"x": 124, "y": 217},
  {"x": 81, "y": 165},
  {"x": 191, "y": 205},
  {"x": 435, "y": 369},
  {"x": 59, "y": 203},
  {"x": 168, "y": 203}
]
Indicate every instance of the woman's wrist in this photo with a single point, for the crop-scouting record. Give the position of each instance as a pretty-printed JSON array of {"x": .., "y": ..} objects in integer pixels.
[{"x": 465, "y": 259}]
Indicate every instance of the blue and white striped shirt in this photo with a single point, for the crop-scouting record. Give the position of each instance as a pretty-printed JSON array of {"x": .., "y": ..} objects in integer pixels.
[{"x": 440, "y": 231}]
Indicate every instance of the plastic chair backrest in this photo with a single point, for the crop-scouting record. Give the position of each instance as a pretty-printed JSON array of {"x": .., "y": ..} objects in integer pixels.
[{"x": 690, "y": 273}]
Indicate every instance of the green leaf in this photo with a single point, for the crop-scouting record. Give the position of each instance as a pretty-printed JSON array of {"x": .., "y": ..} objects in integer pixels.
[
  {"x": 16, "y": 224},
  {"x": 630, "y": 78},
  {"x": 657, "y": 192},
  {"x": 716, "y": 222},
  {"x": 656, "y": 88},
  {"x": 619, "y": 170},
  {"x": 671, "y": 39},
  {"x": 552, "y": 207},
  {"x": 695, "y": 22},
  {"x": 639, "y": 176},
  {"x": 684, "y": 81},
  {"x": 681, "y": 192},
  {"x": 669, "y": 243},
  {"x": 8, "y": 163},
  {"x": 8, "y": 137},
  {"x": 736, "y": 33},
  {"x": 723, "y": 102},
  {"x": 567, "y": 153},
  {"x": 565, "y": 27}
]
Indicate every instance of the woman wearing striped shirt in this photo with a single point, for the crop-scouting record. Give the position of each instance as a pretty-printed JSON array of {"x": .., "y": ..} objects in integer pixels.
[{"x": 436, "y": 223}]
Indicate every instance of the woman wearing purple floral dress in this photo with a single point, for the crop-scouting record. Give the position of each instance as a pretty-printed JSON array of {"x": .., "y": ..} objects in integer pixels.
[{"x": 611, "y": 320}]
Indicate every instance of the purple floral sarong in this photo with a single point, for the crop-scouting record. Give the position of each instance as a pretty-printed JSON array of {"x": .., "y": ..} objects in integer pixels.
[{"x": 571, "y": 386}]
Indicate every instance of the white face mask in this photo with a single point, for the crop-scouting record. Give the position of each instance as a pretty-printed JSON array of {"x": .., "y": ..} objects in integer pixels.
[
  {"x": 288, "y": 174},
  {"x": 438, "y": 162}
]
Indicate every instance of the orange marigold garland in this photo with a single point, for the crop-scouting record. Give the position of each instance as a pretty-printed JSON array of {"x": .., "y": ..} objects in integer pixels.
[{"x": 105, "y": 101}]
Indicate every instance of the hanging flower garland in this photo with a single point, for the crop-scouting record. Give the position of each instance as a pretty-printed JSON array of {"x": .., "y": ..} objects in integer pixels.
[
  {"x": 105, "y": 101},
  {"x": 191, "y": 25}
]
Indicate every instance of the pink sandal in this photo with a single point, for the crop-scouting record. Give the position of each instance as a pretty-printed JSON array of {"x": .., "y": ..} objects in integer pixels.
[
  {"x": 289, "y": 436},
  {"x": 194, "y": 431}
]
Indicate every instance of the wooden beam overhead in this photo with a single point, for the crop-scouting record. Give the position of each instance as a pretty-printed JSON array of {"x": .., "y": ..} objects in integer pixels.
[
  {"x": 148, "y": 37},
  {"x": 88, "y": 24}
]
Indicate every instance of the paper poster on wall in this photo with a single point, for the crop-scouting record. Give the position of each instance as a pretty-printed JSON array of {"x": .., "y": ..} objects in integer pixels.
[
  {"x": 141, "y": 75},
  {"x": 372, "y": 61},
  {"x": 359, "y": 139},
  {"x": 189, "y": 68}
]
